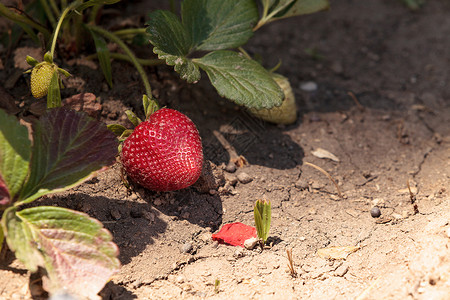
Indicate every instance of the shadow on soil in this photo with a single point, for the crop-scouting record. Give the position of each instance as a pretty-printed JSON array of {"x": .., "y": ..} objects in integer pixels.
[{"x": 126, "y": 220}]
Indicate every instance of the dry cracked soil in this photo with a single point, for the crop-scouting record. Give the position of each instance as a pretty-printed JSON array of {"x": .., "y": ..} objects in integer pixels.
[{"x": 371, "y": 82}]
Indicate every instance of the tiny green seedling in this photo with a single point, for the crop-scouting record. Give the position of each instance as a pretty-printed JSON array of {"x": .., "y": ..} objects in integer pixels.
[
  {"x": 262, "y": 213},
  {"x": 216, "y": 286},
  {"x": 68, "y": 148}
]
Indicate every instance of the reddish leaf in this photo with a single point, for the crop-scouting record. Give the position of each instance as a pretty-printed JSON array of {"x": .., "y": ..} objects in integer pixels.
[
  {"x": 4, "y": 194},
  {"x": 234, "y": 234}
]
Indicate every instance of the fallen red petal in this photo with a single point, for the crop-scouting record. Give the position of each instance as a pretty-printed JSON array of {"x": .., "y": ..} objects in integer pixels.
[{"x": 234, "y": 234}]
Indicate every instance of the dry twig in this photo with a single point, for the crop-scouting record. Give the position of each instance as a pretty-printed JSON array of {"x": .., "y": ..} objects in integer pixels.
[
  {"x": 328, "y": 175},
  {"x": 291, "y": 267},
  {"x": 360, "y": 107}
]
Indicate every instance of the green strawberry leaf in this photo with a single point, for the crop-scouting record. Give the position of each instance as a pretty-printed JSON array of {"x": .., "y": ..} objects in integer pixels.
[
  {"x": 14, "y": 154},
  {"x": 218, "y": 24},
  {"x": 280, "y": 9},
  {"x": 172, "y": 43},
  {"x": 241, "y": 79},
  {"x": 184, "y": 66},
  {"x": 68, "y": 147},
  {"x": 103, "y": 56},
  {"x": 168, "y": 34},
  {"x": 20, "y": 240},
  {"x": 54, "y": 94},
  {"x": 76, "y": 250}
]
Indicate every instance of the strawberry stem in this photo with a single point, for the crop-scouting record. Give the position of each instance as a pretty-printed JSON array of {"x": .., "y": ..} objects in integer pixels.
[
  {"x": 73, "y": 5},
  {"x": 127, "y": 50}
]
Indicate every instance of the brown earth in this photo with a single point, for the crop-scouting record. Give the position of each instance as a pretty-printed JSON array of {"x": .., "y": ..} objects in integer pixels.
[{"x": 396, "y": 130}]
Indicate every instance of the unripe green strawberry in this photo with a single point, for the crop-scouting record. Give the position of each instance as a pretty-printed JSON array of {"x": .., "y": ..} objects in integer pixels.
[
  {"x": 41, "y": 75},
  {"x": 284, "y": 114},
  {"x": 164, "y": 153}
]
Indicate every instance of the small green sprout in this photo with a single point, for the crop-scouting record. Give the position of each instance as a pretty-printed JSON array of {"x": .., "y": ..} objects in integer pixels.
[
  {"x": 216, "y": 286},
  {"x": 262, "y": 213}
]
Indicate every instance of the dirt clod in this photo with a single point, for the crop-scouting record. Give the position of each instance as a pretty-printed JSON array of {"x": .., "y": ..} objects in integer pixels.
[{"x": 244, "y": 178}]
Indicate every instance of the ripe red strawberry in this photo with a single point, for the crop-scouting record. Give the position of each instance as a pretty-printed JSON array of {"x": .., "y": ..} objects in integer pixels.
[{"x": 164, "y": 153}]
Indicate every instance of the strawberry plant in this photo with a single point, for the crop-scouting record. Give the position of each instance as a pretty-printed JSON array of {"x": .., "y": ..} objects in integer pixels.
[
  {"x": 207, "y": 37},
  {"x": 45, "y": 76},
  {"x": 67, "y": 148}
]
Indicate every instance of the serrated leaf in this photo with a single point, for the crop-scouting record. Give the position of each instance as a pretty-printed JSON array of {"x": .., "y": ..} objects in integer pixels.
[
  {"x": 241, "y": 79},
  {"x": 289, "y": 8},
  {"x": 103, "y": 55},
  {"x": 172, "y": 43},
  {"x": 68, "y": 147},
  {"x": 168, "y": 34},
  {"x": 184, "y": 66},
  {"x": 54, "y": 93},
  {"x": 218, "y": 24},
  {"x": 20, "y": 241},
  {"x": 14, "y": 153},
  {"x": 76, "y": 250}
]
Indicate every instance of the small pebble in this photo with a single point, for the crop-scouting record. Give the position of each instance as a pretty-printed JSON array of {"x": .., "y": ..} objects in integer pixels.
[
  {"x": 250, "y": 243},
  {"x": 186, "y": 248},
  {"x": 375, "y": 212},
  {"x": 231, "y": 167},
  {"x": 308, "y": 86},
  {"x": 244, "y": 178}
]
